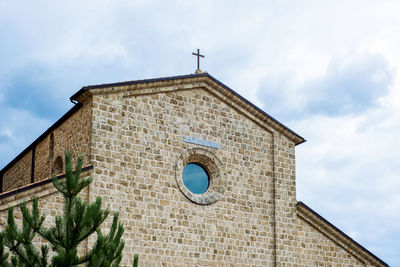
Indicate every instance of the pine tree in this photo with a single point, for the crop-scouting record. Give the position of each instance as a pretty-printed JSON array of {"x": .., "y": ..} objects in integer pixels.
[{"x": 78, "y": 221}]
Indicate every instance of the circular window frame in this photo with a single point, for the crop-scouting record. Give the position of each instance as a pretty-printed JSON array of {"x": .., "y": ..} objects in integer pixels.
[
  {"x": 202, "y": 176},
  {"x": 212, "y": 165}
]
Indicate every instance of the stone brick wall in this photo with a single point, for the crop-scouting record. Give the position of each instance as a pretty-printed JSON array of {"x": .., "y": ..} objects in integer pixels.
[
  {"x": 316, "y": 249},
  {"x": 136, "y": 142},
  {"x": 73, "y": 134},
  {"x": 18, "y": 175},
  {"x": 50, "y": 205},
  {"x": 285, "y": 200},
  {"x": 42, "y": 160},
  {"x": 319, "y": 243}
]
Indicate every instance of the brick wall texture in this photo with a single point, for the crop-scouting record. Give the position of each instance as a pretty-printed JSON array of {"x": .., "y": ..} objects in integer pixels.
[
  {"x": 73, "y": 134},
  {"x": 315, "y": 249},
  {"x": 19, "y": 174},
  {"x": 134, "y": 136}
]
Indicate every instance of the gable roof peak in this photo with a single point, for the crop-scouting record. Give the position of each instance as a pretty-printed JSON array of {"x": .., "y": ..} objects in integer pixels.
[{"x": 213, "y": 83}]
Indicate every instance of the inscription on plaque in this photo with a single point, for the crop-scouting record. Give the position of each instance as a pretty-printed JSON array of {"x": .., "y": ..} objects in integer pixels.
[{"x": 202, "y": 142}]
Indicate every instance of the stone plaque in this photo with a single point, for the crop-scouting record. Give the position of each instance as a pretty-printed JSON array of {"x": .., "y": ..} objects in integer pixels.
[{"x": 202, "y": 142}]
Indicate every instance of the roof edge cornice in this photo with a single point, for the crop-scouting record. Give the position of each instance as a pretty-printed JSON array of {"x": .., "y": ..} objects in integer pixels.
[
  {"x": 186, "y": 79},
  {"x": 335, "y": 234},
  {"x": 29, "y": 148}
]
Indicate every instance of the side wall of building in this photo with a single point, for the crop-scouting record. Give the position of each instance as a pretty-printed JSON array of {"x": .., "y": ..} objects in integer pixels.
[
  {"x": 319, "y": 243},
  {"x": 73, "y": 133},
  {"x": 19, "y": 174},
  {"x": 50, "y": 205},
  {"x": 316, "y": 249}
]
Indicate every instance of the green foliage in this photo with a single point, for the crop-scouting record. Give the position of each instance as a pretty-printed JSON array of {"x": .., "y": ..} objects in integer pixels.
[
  {"x": 136, "y": 260},
  {"x": 78, "y": 221},
  {"x": 19, "y": 241}
]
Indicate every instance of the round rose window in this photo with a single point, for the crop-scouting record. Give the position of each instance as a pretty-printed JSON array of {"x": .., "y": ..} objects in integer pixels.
[
  {"x": 195, "y": 178},
  {"x": 200, "y": 176}
]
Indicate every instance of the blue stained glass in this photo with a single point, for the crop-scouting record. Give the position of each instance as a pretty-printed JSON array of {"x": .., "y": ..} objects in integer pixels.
[{"x": 195, "y": 178}]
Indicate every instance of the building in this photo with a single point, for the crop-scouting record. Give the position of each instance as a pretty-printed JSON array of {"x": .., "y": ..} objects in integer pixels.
[{"x": 145, "y": 140}]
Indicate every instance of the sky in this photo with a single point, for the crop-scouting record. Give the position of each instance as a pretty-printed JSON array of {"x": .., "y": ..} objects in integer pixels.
[{"x": 329, "y": 70}]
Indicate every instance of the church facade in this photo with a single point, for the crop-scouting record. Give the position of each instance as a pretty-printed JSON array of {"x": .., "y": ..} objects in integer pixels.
[{"x": 140, "y": 138}]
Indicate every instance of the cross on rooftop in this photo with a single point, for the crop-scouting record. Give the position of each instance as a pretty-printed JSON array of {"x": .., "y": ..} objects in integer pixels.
[{"x": 198, "y": 58}]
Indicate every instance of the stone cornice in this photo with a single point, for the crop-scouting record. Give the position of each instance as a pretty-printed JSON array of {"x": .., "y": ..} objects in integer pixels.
[
  {"x": 40, "y": 188},
  {"x": 65, "y": 117},
  {"x": 340, "y": 238},
  {"x": 188, "y": 82}
]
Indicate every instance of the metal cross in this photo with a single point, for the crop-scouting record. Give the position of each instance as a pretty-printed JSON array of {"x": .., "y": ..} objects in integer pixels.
[{"x": 198, "y": 58}]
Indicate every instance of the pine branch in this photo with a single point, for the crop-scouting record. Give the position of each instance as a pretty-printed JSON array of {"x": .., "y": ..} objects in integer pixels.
[
  {"x": 136, "y": 260},
  {"x": 3, "y": 255},
  {"x": 78, "y": 221}
]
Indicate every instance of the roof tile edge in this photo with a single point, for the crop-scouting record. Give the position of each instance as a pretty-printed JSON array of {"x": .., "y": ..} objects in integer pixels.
[
  {"x": 296, "y": 138},
  {"x": 332, "y": 231}
]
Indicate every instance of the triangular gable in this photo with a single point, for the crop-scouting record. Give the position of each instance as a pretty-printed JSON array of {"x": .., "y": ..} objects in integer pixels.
[{"x": 186, "y": 82}]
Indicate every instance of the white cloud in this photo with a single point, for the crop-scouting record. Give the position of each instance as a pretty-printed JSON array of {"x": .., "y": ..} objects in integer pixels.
[
  {"x": 349, "y": 169},
  {"x": 51, "y": 49}
]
